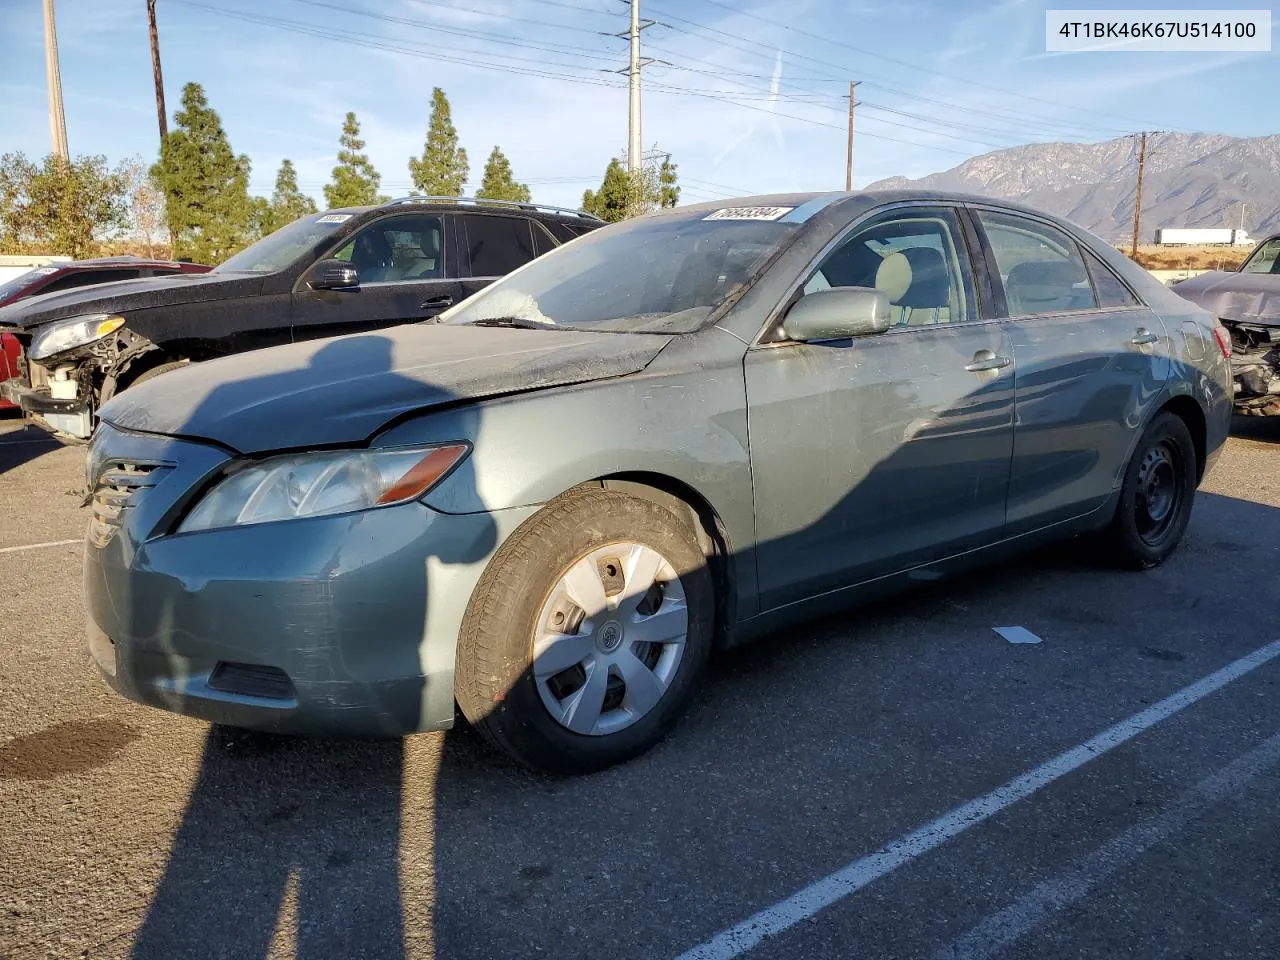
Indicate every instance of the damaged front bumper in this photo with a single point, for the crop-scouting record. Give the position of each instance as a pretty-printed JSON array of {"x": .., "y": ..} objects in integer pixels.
[
  {"x": 1255, "y": 367},
  {"x": 60, "y": 406}
]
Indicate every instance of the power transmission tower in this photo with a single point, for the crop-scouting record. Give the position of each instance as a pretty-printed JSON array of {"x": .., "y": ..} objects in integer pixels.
[
  {"x": 57, "y": 122},
  {"x": 1137, "y": 202},
  {"x": 161, "y": 116},
  {"x": 848, "y": 165}
]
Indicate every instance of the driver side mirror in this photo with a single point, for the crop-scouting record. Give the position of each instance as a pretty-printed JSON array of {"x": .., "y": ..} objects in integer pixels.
[
  {"x": 838, "y": 314},
  {"x": 334, "y": 275}
]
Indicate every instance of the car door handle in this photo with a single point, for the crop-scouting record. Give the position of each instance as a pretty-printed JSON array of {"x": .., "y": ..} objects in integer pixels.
[
  {"x": 1143, "y": 337},
  {"x": 986, "y": 360},
  {"x": 432, "y": 302}
]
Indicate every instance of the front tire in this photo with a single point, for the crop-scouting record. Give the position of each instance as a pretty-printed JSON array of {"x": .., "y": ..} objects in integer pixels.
[
  {"x": 1156, "y": 496},
  {"x": 587, "y": 633}
]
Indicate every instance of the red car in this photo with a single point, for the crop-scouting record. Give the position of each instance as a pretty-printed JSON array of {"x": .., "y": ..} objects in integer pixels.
[{"x": 66, "y": 276}]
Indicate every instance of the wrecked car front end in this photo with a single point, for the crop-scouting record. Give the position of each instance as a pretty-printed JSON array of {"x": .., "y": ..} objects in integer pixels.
[
  {"x": 67, "y": 369},
  {"x": 1248, "y": 306}
]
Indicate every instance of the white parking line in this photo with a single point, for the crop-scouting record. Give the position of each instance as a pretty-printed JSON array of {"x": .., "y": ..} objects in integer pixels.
[
  {"x": 846, "y": 881},
  {"x": 1005, "y": 926},
  {"x": 40, "y": 546}
]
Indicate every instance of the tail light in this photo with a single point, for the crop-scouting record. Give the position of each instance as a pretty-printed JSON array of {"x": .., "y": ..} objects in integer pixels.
[{"x": 1224, "y": 339}]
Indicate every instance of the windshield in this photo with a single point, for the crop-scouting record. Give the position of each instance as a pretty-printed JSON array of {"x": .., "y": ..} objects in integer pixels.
[
  {"x": 1266, "y": 259},
  {"x": 277, "y": 250},
  {"x": 23, "y": 280},
  {"x": 660, "y": 274}
]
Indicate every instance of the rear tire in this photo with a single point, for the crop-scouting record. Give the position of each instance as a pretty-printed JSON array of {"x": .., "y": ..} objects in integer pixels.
[
  {"x": 563, "y": 662},
  {"x": 1156, "y": 495}
]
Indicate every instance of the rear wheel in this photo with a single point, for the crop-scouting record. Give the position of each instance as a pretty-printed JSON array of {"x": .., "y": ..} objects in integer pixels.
[
  {"x": 587, "y": 633},
  {"x": 1156, "y": 497}
]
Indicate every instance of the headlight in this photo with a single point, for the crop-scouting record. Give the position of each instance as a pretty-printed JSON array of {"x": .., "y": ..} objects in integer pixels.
[
  {"x": 316, "y": 484},
  {"x": 76, "y": 332}
]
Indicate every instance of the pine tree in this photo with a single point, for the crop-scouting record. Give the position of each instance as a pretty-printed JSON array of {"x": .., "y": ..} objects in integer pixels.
[
  {"x": 668, "y": 183},
  {"x": 355, "y": 182},
  {"x": 206, "y": 186},
  {"x": 499, "y": 183},
  {"x": 288, "y": 203},
  {"x": 442, "y": 169},
  {"x": 609, "y": 203}
]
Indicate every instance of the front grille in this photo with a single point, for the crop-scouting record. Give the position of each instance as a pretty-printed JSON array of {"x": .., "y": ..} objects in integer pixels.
[
  {"x": 117, "y": 486},
  {"x": 251, "y": 680}
]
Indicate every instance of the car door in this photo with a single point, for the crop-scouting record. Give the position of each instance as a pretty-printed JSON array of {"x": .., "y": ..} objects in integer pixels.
[
  {"x": 875, "y": 454},
  {"x": 1091, "y": 360},
  {"x": 491, "y": 245},
  {"x": 405, "y": 274}
]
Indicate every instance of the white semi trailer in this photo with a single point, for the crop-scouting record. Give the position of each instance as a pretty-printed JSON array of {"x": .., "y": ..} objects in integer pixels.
[{"x": 1202, "y": 236}]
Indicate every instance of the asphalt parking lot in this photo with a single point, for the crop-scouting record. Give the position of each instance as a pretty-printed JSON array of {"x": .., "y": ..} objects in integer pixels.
[{"x": 894, "y": 782}]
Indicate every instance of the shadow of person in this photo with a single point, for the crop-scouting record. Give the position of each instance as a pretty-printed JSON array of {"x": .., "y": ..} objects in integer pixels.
[{"x": 293, "y": 845}]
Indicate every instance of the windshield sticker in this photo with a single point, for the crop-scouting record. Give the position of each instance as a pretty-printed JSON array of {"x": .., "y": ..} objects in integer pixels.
[
  {"x": 335, "y": 218},
  {"x": 749, "y": 213}
]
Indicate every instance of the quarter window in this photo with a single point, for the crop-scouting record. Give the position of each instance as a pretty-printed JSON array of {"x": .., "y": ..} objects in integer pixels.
[
  {"x": 917, "y": 258},
  {"x": 542, "y": 241},
  {"x": 1111, "y": 292},
  {"x": 1040, "y": 266},
  {"x": 497, "y": 245}
]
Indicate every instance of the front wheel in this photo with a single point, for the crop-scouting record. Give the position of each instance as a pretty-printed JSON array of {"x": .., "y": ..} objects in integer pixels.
[
  {"x": 587, "y": 633},
  {"x": 1156, "y": 496}
]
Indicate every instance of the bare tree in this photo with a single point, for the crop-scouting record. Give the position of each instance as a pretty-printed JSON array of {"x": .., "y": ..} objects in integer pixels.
[{"x": 146, "y": 205}]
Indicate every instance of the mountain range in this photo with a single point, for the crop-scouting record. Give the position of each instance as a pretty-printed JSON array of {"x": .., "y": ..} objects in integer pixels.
[{"x": 1190, "y": 180}]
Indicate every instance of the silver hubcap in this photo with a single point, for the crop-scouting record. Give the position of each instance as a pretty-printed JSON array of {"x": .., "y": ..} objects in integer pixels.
[{"x": 609, "y": 638}]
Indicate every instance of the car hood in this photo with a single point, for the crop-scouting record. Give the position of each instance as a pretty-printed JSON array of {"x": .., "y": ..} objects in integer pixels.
[
  {"x": 1250, "y": 297},
  {"x": 343, "y": 390},
  {"x": 125, "y": 295}
]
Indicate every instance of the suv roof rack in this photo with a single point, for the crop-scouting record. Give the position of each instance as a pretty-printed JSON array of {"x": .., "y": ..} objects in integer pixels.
[{"x": 483, "y": 202}]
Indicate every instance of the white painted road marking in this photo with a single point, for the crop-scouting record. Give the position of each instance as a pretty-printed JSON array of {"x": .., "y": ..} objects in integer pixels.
[
  {"x": 40, "y": 546},
  {"x": 1006, "y": 926},
  {"x": 1017, "y": 634},
  {"x": 851, "y": 878}
]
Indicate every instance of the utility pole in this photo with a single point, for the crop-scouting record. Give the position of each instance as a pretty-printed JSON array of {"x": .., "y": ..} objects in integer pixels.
[
  {"x": 848, "y": 164},
  {"x": 1137, "y": 202},
  {"x": 57, "y": 122},
  {"x": 633, "y": 92},
  {"x": 635, "y": 157},
  {"x": 155, "y": 69}
]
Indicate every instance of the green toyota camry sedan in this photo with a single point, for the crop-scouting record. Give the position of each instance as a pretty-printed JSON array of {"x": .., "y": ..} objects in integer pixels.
[{"x": 549, "y": 507}]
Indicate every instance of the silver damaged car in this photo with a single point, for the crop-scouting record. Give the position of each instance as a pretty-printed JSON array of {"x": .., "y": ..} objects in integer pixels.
[{"x": 677, "y": 432}]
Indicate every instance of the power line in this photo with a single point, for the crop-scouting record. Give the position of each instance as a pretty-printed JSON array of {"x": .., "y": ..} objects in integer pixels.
[
  {"x": 696, "y": 25},
  {"x": 914, "y": 66}
]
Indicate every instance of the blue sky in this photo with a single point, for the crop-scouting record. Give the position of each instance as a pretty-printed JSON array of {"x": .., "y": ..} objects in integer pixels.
[{"x": 942, "y": 80}]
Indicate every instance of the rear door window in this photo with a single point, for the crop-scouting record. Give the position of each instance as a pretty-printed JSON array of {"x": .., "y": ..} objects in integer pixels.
[
  {"x": 497, "y": 245},
  {"x": 1040, "y": 266}
]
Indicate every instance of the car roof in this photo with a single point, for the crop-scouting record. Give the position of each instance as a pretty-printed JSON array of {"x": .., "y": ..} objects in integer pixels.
[
  {"x": 94, "y": 263},
  {"x": 879, "y": 196},
  {"x": 473, "y": 205}
]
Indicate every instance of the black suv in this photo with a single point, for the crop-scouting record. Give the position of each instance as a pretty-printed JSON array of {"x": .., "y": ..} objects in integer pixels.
[{"x": 341, "y": 271}]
